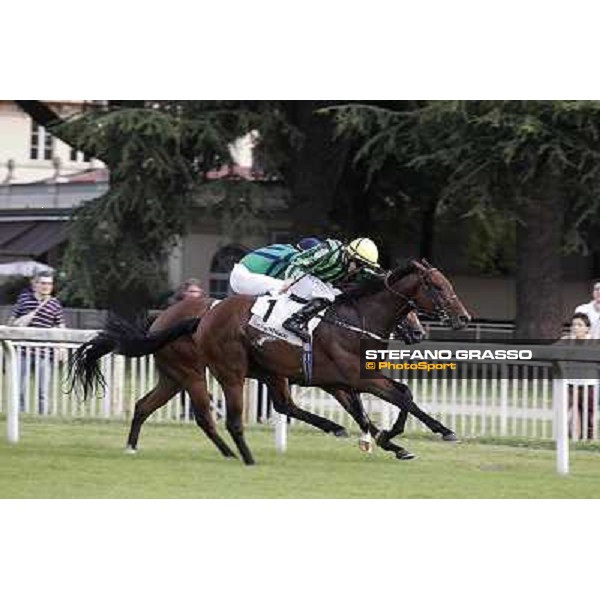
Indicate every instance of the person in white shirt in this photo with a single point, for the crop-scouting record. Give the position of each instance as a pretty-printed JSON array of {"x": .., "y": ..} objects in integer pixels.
[
  {"x": 581, "y": 389},
  {"x": 592, "y": 310}
]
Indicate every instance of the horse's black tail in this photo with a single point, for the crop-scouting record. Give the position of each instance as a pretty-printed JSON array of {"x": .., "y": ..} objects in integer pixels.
[{"x": 122, "y": 337}]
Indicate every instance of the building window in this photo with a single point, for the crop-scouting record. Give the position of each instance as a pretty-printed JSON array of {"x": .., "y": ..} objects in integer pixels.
[
  {"x": 34, "y": 147},
  {"x": 48, "y": 146},
  {"x": 41, "y": 143},
  {"x": 77, "y": 156},
  {"x": 220, "y": 268}
]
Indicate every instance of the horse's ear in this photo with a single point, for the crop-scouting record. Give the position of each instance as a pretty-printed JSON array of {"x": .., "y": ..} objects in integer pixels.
[
  {"x": 416, "y": 264},
  {"x": 426, "y": 264}
]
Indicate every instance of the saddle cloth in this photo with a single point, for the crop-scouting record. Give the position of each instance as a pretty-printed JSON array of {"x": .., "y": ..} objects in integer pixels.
[{"x": 270, "y": 311}]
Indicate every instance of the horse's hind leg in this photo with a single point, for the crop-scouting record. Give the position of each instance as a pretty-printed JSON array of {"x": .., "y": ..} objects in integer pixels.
[
  {"x": 283, "y": 403},
  {"x": 201, "y": 402},
  {"x": 350, "y": 401},
  {"x": 165, "y": 389},
  {"x": 234, "y": 399}
]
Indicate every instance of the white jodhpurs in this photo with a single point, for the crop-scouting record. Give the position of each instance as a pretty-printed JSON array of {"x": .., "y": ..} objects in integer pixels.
[
  {"x": 244, "y": 281},
  {"x": 310, "y": 287}
]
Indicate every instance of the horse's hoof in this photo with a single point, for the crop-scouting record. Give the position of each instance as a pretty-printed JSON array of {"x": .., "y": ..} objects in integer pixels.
[
  {"x": 340, "y": 433},
  {"x": 130, "y": 450},
  {"x": 404, "y": 455},
  {"x": 365, "y": 446},
  {"x": 450, "y": 437}
]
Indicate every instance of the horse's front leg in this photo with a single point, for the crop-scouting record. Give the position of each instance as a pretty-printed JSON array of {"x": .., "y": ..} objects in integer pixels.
[
  {"x": 400, "y": 423},
  {"x": 350, "y": 401},
  {"x": 399, "y": 395},
  {"x": 408, "y": 405}
]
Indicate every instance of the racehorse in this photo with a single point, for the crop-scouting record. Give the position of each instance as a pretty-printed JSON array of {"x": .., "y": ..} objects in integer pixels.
[
  {"x": 224, "y": 342},
  {"x": 131, "y": 339}
]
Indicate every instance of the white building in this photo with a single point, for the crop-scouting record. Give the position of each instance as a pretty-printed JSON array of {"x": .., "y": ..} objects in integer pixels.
[
  {"x": 29, "y": 153},
  {"x": 42, "y": 179}
]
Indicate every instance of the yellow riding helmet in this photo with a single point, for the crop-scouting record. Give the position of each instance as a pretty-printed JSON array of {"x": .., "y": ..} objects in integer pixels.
[{"x": 363, "y": 250}]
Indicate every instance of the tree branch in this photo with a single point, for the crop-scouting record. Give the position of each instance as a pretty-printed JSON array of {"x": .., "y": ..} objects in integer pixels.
[
  {"x": 40, "y": 112},
  {"x": 43, "y": 115}
]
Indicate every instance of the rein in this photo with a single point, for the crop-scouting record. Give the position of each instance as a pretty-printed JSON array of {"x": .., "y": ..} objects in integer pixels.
[{"x": 343, "y": 325}]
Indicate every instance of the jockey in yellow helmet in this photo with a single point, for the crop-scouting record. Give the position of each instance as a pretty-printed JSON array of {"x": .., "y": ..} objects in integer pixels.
[{"x": 315, "y": 270}]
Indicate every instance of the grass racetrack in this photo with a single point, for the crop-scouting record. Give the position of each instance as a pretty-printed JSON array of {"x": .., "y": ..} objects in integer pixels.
[{"x": 85, "y": 459}]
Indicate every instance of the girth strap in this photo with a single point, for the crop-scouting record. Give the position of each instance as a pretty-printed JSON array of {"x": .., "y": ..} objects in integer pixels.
[{"x": 307, "y": 361}]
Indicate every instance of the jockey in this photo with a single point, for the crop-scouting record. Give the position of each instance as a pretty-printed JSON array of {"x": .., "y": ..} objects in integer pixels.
[
  {"x": 313, "y": 271},
  {"x": 262, "y": 271}
]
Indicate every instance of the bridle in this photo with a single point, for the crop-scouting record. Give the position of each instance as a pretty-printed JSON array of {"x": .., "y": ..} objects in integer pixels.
[{"x": 440, "y": 302}]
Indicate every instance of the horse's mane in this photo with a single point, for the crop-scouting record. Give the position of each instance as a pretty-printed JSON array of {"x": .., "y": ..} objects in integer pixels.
[{"x": 354, "y": 291}]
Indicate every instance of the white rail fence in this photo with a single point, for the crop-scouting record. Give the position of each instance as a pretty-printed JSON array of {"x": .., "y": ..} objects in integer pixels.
[{"x": 495, "y": 400}]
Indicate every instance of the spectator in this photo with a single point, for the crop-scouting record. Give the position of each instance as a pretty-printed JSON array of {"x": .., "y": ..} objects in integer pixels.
[
  {"x": 581, "y": 390},
  {"x": 592, "y": 310},
  {"x": 190, "y": 288},
  {"x": 37, "y": 307}
]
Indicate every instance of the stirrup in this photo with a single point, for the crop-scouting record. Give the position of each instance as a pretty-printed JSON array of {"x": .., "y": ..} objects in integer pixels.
[{"x": 296, "y": 326}]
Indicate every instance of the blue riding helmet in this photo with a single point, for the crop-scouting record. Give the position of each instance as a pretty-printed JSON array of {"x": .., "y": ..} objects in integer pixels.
[{"x": 307, "y": 243}]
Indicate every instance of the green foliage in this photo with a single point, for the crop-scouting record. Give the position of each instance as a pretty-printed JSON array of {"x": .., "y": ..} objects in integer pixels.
[
  {"x": 118, "y": 242},
  {"x": 158, "y": 157},
  {"x": 488, "y": 154},
  {"x": 491, "y": 241},
  {"x": 11, "y": 287},
  {"x": 527, "y": 138},
  {"x": 241, "y": 208}
]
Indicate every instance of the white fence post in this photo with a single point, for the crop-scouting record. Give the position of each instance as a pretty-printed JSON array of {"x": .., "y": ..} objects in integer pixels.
[
  {"x": 503, "y": 400},
  {"x": 280, "y": 432},
  {"x": 561, "y": 418},
  {"x": 12, "y": 403},
  {"x": 251, "y": 402},
  {"x": 118, "y": 385}
]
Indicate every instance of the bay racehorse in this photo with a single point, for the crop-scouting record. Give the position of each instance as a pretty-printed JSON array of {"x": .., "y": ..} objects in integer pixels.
[
  {"x": 176, "y": 355},
  {"x": 223, "y": 341}
]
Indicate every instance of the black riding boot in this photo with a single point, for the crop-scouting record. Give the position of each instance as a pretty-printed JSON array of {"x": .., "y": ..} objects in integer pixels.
[{"x": 298, "y": 321}]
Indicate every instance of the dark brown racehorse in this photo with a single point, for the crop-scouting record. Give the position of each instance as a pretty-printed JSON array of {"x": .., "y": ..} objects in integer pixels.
[
  {"x": 233, "y": 350},
  {"x": 177, "y": 358}
]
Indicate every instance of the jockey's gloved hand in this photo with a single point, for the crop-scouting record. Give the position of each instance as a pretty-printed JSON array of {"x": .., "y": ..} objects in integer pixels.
[{"x": 410, "y": 337}]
